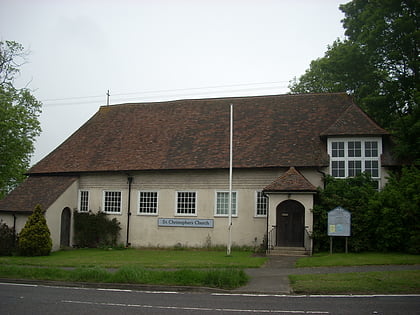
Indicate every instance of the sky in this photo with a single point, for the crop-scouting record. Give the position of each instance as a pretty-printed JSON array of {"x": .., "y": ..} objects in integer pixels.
[{"x": 157, "y": 50}]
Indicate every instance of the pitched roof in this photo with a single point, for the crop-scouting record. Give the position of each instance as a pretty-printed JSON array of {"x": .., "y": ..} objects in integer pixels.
[
  {"x": 292, "y": 180},
  {"x": 269, "y": 131},
  {"x": 354, "y": 122},
  {"x": 42, "y": 190}
]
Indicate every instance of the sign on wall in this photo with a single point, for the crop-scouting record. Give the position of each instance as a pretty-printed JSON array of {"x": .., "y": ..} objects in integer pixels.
[
  {"x": 339, "y": 222},
  {"x": 198, "y": 223}
]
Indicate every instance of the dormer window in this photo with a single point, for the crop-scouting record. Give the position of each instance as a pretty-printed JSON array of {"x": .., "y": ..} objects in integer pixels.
[{"x": 352, "y": 156}]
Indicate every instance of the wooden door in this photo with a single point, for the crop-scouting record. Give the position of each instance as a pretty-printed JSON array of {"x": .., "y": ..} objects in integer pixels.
[{"x": 290, "y": 224}]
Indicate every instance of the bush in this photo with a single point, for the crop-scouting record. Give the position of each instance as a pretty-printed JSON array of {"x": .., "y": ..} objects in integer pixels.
[
  {"x": 7, "y": 240},
  {"x": 95, "y": 230},
  {"x": 35, "y": 237}
]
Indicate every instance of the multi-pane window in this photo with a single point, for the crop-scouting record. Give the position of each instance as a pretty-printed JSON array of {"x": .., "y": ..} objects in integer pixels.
[
  {"x": 222, "y": 203},
  {"x": 83, "y": 200},
  {"x": 351, "y": 157},
  {"x": 112, "y": 201},
  {"x": 186, "y": 202},
  {"x": 261, "y": 204},
  {"x": 148, "y": 202}
]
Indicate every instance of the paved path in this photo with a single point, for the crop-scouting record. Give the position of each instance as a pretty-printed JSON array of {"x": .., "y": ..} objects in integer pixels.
[{"x": 272, "y": 278}]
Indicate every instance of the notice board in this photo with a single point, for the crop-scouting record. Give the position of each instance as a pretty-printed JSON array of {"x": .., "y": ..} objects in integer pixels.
[{"x": 339, "y": 222}]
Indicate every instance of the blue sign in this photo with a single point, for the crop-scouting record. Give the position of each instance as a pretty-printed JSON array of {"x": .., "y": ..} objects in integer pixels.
[{"x": 198, "y": 223}]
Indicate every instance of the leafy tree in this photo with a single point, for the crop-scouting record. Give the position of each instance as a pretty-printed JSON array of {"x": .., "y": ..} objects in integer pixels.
[
  {"x": 19, "y": 125},
  {"x": 398, "y": 227},
  {"x": 378, "y": 63},
  {"x": 35, "y": 237},
  {"x": 353, "y": 194}
]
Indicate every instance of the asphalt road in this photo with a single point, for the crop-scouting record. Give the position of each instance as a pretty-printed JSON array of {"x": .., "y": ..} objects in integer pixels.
[{"x": 42, "y": 299}]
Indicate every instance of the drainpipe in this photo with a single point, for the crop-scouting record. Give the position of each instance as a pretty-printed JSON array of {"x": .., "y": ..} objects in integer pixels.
[
  {"x": 268, "y": 208},
  {"x": 130, "y": 181}
]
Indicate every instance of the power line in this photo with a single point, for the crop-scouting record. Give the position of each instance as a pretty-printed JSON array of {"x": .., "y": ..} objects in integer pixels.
[{"x": 166, "y": 93}]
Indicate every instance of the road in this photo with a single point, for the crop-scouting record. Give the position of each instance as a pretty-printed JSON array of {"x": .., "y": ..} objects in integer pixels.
[{"x": 44, "y": 299}]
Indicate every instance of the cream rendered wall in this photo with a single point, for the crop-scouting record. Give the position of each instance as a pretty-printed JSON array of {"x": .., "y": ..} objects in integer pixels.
[
  {"x": 247, "y": 229},
  {"x": 20, "y": 220},
  {"x": 53, "y": 214}
]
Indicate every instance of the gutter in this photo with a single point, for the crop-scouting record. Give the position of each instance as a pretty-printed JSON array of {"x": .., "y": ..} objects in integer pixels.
[{"x": 130, "y": 181}]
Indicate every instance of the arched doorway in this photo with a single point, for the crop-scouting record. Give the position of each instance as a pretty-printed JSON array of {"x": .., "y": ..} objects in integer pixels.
[
  {"x": 290, "y": 221},
  {"x": 65, "y": 227}
]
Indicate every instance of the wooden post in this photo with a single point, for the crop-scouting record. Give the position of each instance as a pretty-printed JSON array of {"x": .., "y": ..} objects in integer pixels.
[{"x": 331, "y": 244}]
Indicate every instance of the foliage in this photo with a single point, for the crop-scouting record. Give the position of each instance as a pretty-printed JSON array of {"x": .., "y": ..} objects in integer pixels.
[
  {"x": 35, "y": 237},
  {"x": 94, "y": 230},
  {"x": 19, "y": 125},
  {"x": 381, "y": 221},
  {"x": 377, "y": 63},
  {"x": 7, "y": 240},
  {"x": 353, "y": 194},
  {"x": 398, "y": 227}
]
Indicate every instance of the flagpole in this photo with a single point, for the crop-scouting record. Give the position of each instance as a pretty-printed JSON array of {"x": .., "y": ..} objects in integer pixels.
[{"x": 230, "y": 182}]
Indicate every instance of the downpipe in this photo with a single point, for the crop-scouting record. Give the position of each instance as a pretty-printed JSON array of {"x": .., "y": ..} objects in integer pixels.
[{"x": 130, "y": 181}]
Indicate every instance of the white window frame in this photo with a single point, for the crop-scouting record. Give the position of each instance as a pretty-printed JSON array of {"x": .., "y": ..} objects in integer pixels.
[
  {"x": 157, "y": 203},
  {"x": 103, "y": 201},
  {"x": 256, "y": 205},
  {"x": 363, "y": 158},
  {"x": 236, "y": 203},
  {"x": 80, "y": 200},
  {"x": 177, "y": 213}
]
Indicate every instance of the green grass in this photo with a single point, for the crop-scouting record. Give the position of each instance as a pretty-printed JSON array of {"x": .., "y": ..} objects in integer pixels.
[
  {"x": 218, "y": 278},
  {"x": 140, "y": 257},
  {"x": 393, "y": 282},
  {"x": 359, "y": 259}
]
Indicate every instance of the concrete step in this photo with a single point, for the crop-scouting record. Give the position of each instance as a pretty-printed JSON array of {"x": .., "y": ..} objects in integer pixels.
[{"x": 288, "y": 251}]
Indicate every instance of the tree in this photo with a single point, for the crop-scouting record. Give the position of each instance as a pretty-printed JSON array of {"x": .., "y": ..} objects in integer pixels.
[
  {"x": 19, "y": 125},
  {"x": 377, "y": 63},
  {"x": 35, "y": 237}
]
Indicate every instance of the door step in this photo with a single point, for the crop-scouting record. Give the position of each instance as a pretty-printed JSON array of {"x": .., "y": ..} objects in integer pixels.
[{"x": 288, "y": 251}]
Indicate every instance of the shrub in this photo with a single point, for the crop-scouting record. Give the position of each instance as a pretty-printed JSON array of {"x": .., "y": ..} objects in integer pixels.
[
  {"x": 7, "y": 240},
  {"x": 35, "y": 237},
  {"x": 95, "y": 230}
]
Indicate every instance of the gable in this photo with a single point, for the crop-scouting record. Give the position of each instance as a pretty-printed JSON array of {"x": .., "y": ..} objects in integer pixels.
[{"x": 269, "y": 131}]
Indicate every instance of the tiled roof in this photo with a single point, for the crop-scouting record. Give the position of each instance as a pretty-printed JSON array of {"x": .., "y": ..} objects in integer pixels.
[
  {"x": 292, "y": 180},
  {"x": 269, "y": 131},
  {"x": 42, "y": 190}
]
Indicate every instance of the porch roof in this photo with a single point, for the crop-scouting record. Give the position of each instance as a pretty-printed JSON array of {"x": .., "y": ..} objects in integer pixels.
[{"x": 291, "y": 181}]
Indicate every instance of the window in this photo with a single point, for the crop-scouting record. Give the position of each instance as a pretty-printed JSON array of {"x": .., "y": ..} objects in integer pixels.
[
  {"x": 186, "y": 203},
  {"x": 222, "y": 203},
  {"x": 83, "y": 200},
  {"x": 352, "y": 156},
  {"x": 112, "y": 201},
  {"x": 148, "y": 202},
  {"x": 261, "y": 204}
]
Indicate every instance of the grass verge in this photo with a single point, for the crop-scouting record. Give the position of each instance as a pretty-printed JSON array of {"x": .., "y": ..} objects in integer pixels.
[
  {"x": 359, "y": 259},
  {"x": 229, "y": 278},
  {"x": 145, "y": 258},
  {"x": 393, "y": 282}
]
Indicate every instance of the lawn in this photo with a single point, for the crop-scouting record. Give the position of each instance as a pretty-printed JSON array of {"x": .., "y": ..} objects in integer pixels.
[
  {"x": 392, "y": 282},
  {"x": 116, "y": 258},
  {"x": 357, "y": 259}
]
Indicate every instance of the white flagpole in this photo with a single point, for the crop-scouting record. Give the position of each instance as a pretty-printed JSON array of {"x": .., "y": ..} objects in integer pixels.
[{"x": 230, "y": 181}]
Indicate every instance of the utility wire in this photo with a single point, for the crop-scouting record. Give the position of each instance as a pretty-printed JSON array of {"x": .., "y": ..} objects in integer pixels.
[{"x": 162, "y": 93}]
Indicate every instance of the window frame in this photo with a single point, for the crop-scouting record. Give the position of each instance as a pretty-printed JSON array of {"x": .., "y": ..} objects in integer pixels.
[
  {"x": 80, "y": 200},
  {"x": 215, "y": 203},
  {"x": 104, "y": 200},
  {"x": 363, "y": 158},
  {"x": 139, "y": 203},
  {"x": 257, "y": 215},
  {"x": 177, "y": 213}
]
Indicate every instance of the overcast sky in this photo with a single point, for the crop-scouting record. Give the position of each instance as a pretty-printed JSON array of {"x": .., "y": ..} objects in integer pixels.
[{"x": 160, "y": 50}]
